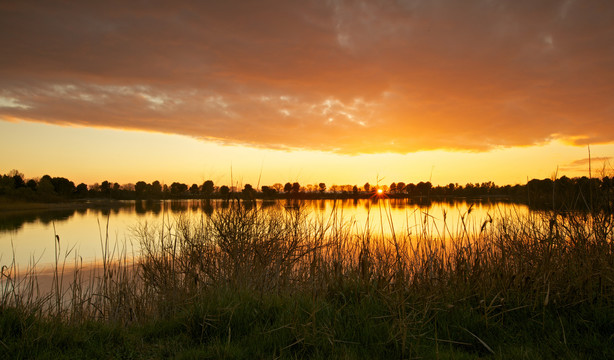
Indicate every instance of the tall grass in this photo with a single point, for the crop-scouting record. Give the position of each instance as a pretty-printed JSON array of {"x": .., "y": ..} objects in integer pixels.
[{"x": 323, "y": 283}]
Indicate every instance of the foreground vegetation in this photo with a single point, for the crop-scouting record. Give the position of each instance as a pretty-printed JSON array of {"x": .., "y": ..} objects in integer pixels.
[{"x": 250, "y": 282}]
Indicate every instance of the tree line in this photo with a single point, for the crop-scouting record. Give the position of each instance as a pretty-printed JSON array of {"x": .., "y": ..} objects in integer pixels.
[{"x": 560, "y": 192}]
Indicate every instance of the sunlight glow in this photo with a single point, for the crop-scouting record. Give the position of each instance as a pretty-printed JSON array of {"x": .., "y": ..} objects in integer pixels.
[{"x": 126, "y": 156}]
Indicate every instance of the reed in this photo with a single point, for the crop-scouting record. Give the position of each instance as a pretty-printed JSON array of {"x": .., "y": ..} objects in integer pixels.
[{"x": 281, "y": 282}]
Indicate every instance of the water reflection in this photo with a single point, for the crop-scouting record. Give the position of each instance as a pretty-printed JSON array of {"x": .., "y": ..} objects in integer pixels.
[
  {"x": 32, "y": 232},
  {"x": 13, "y": 222}
]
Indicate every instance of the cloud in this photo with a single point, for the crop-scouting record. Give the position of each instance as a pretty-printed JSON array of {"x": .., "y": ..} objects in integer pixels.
[
  {"x": 597, "y": 164},
  {"x": 348, "y": 77},
  {"x": 586, "y": 161}
]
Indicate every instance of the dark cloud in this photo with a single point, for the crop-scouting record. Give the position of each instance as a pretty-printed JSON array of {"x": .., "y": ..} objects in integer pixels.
[{"x": 348, "y": 77}]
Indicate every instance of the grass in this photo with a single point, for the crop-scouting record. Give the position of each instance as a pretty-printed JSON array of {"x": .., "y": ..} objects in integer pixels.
[{"x": 252, "y": 282}]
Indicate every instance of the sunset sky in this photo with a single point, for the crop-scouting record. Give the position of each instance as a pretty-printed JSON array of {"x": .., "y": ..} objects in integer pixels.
[{"x": 342, "y": 92}]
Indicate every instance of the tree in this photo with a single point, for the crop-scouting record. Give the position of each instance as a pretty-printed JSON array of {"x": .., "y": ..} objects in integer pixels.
[
  {"x": 15, "y": 172},
  {"x": 178, "y": 188},
  {"x": 424, "y": 187},
  {"x": 224, "y": 190},
  {"x": 6, "y": 184},
  {"x": 208, "y": 188},
  {"x": 393, "y": 188},
  {"x": 128, "y": 187},
  {"x": 248, "y": 191},
  {"x": 355, "y": 190},
  {"x": 400, "y": 187},
  {"x": 105, "y": 188},
  {"x": 81, "y": 190},
  {"x": 287, "y": 187},
  {"x": 296, "y": 187},
  {"x": 367, "y": 187},
  {"x": 18, "y": 181},
  {"x": 45, "y": 187},
  {"x": 139, "y": 188},
  {"x": 156, "y": 188},
  {"x": 32, "y": 184},
  {"x": 63, "y": 186},
  {"x": 194, "y": 189},
  {"x": 322, "y": 187},
  {"x": 268, "y": 191}
]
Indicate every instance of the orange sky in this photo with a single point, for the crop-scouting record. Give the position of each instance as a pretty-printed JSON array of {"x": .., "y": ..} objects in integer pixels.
[{"x": 334, "y": 90}]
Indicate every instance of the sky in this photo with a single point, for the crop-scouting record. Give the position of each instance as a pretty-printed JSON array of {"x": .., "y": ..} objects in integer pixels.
[{"x": 341, "y": 92}]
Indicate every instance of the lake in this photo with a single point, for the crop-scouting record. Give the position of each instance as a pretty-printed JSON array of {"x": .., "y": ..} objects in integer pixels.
[{"x": 29, "y": 237}]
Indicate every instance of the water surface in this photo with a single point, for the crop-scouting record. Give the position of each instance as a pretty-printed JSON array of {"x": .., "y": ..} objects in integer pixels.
[{"x": 30, "y": 237}]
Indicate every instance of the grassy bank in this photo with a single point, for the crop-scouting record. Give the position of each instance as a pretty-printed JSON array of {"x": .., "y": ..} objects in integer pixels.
[{"x": 268, "y": 283}]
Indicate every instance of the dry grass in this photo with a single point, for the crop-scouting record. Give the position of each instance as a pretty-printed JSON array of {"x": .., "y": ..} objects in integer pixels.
[{"x": 499, "y": 269}]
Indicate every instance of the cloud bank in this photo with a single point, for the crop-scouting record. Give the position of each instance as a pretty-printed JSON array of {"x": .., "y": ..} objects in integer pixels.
[{"x": 342, "y": 76}]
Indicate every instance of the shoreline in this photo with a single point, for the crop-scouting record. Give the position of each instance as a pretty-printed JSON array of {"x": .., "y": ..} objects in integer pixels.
[{"x": 20, "y": 206}]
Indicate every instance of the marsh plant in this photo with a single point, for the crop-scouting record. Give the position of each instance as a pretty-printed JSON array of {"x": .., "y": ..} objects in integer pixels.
[{"x": 323, "y": 285}]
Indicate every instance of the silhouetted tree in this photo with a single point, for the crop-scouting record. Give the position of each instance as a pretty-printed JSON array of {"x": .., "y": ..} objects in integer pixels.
[
  {"x": 248, "y": 191},
  {"x": 208, "y": 188},
  {"x": 32, "y": 184},
  {"x": 45, "y": 188},
  {"x": 178, "y": 188},
  {"x": 115, "y": 189},
  {"x": 366, "y": 187},
  {"x": 105, "y": 188},
  {"x": 287, "y": 187},
  {"x": 224, "y": 191},
  {"x": 6, "y": 184},
  {"x": 140, "y": 188},
  {"x": 18, "y": 181},
  {"x": 322, "y": 187},
  {"x": 156, "y": 188},
  {"x": 15, "y": 172},
  {"x": 268, "y": 191},
  {"x": 296, "y": 187},
  {"x": 194, "y": 190},
  {"x": 81, "y": 190},
  {"x": 128, "y": 187},
  {"x": 63, "y": 186},
  {"x": 423, "y": 188},
  {"x": 278, "y": 187}
]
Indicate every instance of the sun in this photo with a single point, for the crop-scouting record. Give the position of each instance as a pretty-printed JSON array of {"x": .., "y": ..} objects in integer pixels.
[{"x": 378, "y": 194}]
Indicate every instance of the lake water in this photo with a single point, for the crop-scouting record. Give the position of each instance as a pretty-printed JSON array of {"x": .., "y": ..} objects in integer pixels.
[{"x": 30, "y": 237}]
